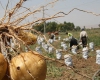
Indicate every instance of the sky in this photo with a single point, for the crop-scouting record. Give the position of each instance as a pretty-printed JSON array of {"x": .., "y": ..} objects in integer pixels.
[{"x": 79, "y": 18}]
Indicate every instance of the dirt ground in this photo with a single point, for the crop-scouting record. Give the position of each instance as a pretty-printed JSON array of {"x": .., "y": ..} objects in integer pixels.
[{"x": 83, "y": 69}]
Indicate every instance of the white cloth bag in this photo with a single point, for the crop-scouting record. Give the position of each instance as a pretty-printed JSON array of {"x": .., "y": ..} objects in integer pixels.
[
  {"x": 85, "y": 52},
  {"x": 98, "y": 56},
  {"x": 58, "y": 54},
  {"x": 68, "y": 60}
]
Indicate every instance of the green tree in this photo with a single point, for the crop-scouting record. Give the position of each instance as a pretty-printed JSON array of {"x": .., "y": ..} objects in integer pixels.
[
  {"x": 70, "y": 26},
  {"x": 77, "y": 28},
  {"x": 60, "y": 27},
  {"x": 51, "y": 26},
  {"x": 39, "y": 27}
]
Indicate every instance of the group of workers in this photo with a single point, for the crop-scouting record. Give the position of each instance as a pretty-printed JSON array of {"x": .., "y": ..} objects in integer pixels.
[{"x": 74, "y": 41}]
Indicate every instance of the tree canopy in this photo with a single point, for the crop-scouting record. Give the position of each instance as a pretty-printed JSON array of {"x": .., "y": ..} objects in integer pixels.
[{"x": 53, "y": 26}]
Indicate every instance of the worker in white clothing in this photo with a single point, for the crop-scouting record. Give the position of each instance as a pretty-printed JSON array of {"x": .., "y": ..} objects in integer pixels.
[{"x": 83, "y": 37}]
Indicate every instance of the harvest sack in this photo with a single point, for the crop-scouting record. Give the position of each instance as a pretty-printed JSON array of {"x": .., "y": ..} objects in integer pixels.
[
  {"x": 91, "y": 46},
  {"x": 50, "y": 49},
  {"x": 98, "y": 56},
  {"x": 68, "y": 60},
  {"x": 58, "y": 54},
  {"x": 38, "y": 49},
  {"x": 74, "y": 49},
  {"x": 59, "y": 38},
  {"x": 65, "y": 47},
  {"x": 62, "y": 44},
  {"x": 50, "y": 40},
  {"x": 85, "y": 52}
]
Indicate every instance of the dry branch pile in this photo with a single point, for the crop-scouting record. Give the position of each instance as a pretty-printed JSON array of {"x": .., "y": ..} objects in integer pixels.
[{"x": 14, "y": 63}]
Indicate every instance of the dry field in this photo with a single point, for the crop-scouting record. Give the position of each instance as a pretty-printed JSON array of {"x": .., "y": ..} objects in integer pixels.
[{"x": 83, "y": 69}]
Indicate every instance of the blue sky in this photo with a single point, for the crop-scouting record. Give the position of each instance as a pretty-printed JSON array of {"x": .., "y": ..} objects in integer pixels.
[{"x": 77, "y": 17}]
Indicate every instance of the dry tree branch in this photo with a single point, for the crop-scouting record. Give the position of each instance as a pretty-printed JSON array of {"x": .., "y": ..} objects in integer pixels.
[
  {"x": 55, "y": 16},
  {"x": 51, "y": 3},
  {"x": 79, "y": 10},
  {"x": 88, "y": 12},
  {"x": 15, "y": 15},
  {"x": 6, "y": 10},
  {"x": 27, "y": 9},
  {"x": 21, "y": 12},
  {"x": 23, "y": 17},
  {"x": 13, "y": 10},
  {"x": 2, "y": 5},
  {"x": 18, "y": 5},
  {"x": 28, "y": 14},
  {"x": 42, "y": 20}
]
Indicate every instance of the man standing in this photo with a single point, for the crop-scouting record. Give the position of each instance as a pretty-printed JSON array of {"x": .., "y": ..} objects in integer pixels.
[{"x": 83, "y": 37}]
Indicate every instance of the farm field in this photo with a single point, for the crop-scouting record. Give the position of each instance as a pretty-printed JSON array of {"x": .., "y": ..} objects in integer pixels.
[
  {"x": 30, "y": 51},
  {"x": 83, "y": 69}
]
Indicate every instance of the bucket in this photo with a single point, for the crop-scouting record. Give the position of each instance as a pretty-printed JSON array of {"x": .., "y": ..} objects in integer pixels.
[
  {"x": 68, "y": 60},
  {"x": 91, "y": 46},
  {"x": 74, "y": 49},
  {"x": 98, "y": 56},
  {"x": 58, "y": 54},
  {"x": 85, "y": 52}
]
